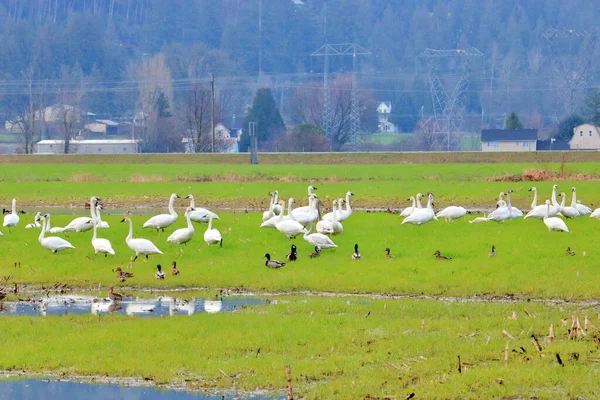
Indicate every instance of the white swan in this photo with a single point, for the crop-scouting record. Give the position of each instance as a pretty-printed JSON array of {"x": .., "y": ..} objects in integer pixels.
[
  {"x": 162, "y": 221},
  {"x": 305, "y": 209},
  {"x": 140, "y": 246},
  {"x": 568, "y": 212},
  {"x": 83, "y": 224},
  {"x": 318, "y": 239},
  {"x": 540, "y": 211},
  {"x": 330, "y": 227},
  {"x": 310, "y": 215},
  {"x": 35, "y": 223},
  {"x": 595, "y": 214},
  {"x": 501, "y": 213},
  {"x": 50, "y": 229},
  {"x": 515, "y": 213},
  {"x": 534, "y": 202},
  {"x": 418, "y": 200},
  {"x": 554, "y": 223},
  {"x": 583, "y": 209},
  {"x": 423, "y": 215},
  {"x": 199, "y": 214},
  {"x": 276, "y": 207},
  {"x": 183, "y": 235},
  {"x": 452, "y": 212},
  {"x": 98, "y": 217},
  {"x": 214, "y": 306},
  {"x": 270, "y": 223},
  {"x": 342, "y": 214},
  {"x": 409, "y": 210},
  {"x": 101, "y": 245},
  {"x": 52, "y": 243},
  {"x": 212, "y": 236},
  {"x": 269, "y": 213},
  {"x": 290, "y": 227},
  {"x": 12, "y": 219}
]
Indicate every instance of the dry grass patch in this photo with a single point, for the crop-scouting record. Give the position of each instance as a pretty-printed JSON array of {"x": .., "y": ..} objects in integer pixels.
[
  {"x": 146, "y": 179},
  {"x": 543, "y": 175},
  {"x": 84, "y": 177}
]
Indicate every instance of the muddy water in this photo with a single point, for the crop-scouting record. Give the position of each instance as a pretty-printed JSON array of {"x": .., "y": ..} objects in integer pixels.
[
  {"x": 41, "y": 389},
  {"x": 146, "y": 307}
]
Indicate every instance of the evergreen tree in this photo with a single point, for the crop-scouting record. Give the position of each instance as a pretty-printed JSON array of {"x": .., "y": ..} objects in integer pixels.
[
  {"x": 512, "y": 121},
  {"x": 566, "y": 126},
  {"x": 592, "y": 103},
  {"x": 268, "y": 120}
]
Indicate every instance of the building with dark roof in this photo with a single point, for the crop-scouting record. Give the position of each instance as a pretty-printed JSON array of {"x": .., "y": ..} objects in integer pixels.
[{"x": 508, "y": 139}]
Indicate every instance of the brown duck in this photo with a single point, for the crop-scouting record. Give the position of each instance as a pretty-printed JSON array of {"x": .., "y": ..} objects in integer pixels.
[
  {"x": 114, "y": 296},
  {"x": 439, "y": 256},
  {"x": 174, "y": 270},
  {"x": 388, "y": 253}
]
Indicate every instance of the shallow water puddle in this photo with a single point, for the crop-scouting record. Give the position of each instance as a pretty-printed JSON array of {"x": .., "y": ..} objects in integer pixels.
[
  {"x": 41, "y": 389},
  {"x": 157, "y": 307}
]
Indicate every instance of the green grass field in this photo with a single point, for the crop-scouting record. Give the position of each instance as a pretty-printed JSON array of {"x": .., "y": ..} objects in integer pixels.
[{"x": 339, "y": 347}]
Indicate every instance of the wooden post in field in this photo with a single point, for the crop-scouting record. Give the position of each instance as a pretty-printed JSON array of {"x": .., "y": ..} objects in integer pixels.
[
  {"x": 506, "y": 352},
  {"x": 459, "y": 366},
  {"x": 288, "y": 371},
  {"x": 551, "y": 334}
]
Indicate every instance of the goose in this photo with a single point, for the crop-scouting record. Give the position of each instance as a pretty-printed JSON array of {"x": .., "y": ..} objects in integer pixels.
[
  {"x": 273, "y": 263},
  {"x": 501, "y": 213},
  {"x": 12, "y": 219},
  {"x": 583, "y": 209},
  {"x": 568, "y": 212},
  {"x": 81, "y": 224},
  {"x": 356, "y": 255},
  {"x": 114, "y": 296},
  {"x": 318, "y": 239},
  {"x": 452, "y": 212},
  {"x": 409, "y": 210},
  {"x": 293, "y": 254},
  {"x": 422, "y": 215},
  {"x": 269, "y": 214},
  {"x": 515, "y": 213},
  {"x": 388, "y": 253},
  {"x": 199, "y": 214},
  {"x": 183, "y": 235},
  {"x": 174, "y": 269},
  {"x": 493, "y": 252},
  {"x": 534, "y": 202},
  {"x": 52, "y": 243},
  {"x": 162, "y": 221},
  {"x": 35, "y": 224},
  {"x": 342, "y": 214},
  {"x": 98, "y": 218},
  {"x": 277, "y": 209},
  {"x": 333, "y": 226},
  {"x": 305, "y": 209},
  {"x": 160, "y": 274},
  {"x": 554, "y": 223},
  {"x": 595, "y": 214},
  {"x": 212, "y": 236},
  {"x": 101, "y": 245},
  {"x": 439, "y": 256},
  {"x": 540, "y": 210},
  {"x": 140, "y": 246},
  {"x": 570, "y": 252},
  {"x": 309, "y": 216},
  {"x": 290, "y": 227},
  {"x": 316, "y": 254}
]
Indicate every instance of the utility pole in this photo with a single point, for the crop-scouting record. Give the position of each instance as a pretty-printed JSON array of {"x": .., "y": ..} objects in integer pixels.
[
  {"x": 253, "y": 142},
  {"x": 259, "y": 38},
  {"x": 212, "y": 114}
]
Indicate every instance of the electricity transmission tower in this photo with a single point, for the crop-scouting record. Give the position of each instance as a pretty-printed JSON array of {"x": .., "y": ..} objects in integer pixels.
[
  {"x": 341, "y": 49},
  {"x": 571, "y": 70},
  {"x": 448, "y": 104}
]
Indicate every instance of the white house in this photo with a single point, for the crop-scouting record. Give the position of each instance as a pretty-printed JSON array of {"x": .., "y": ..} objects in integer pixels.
[
  {"x": 226, "y": 139},
  {"x": 88, "y": 146},
  {"x": 509, "y": 140},
  {"x": 383, "y": 114},
  {"x": 585, "y": 137}
]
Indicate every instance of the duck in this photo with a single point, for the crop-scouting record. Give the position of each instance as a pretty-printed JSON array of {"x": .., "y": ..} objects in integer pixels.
[
  {"x": 35, "y": 223},
  {"x": 583, "y": 209},
  {"x": 212, "y": 236},
  {"x": 114, "y": 296},
  {"x": 273, "y": 263},
  {"x": 305, "y": 209},
  {"x": 293, "y": 254},
  {"x": 11, "y": 220},
  {"x": 162, "y": 221},
  {"x": 174, "y": 269},
  {"x": 199, "y": 214},
  {"x": 356, "y": 255},
  {"x": 540, "y": 211},
  {"x": 52, "y": 243},
  {"x": 554, "y": 223},
  {"x": 160, "y": 274},
  {"x": 101, "y": 245},
  {"x": 439, "y": 256},
  {"x": 316, "y": 254},
  {"x": 122, "y": 276},
  {"x": 493, "y": 252},
  {"x": 140, "y": 246},
  {"x": 388, "y": 253},
  {"x": 183, "y": 235},
  {"x": 290, "y": 227},
  {"x": 570, "y": 252},
  {"x": 567, "y": 211},
  {"x": 408, "y": 210},
  {"x": 81, "y": 224},
  {"x": 318, "y": 239}
]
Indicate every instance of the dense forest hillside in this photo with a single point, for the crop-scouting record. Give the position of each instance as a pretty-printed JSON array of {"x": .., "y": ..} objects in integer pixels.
[{"x": 152, "y": 59}]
